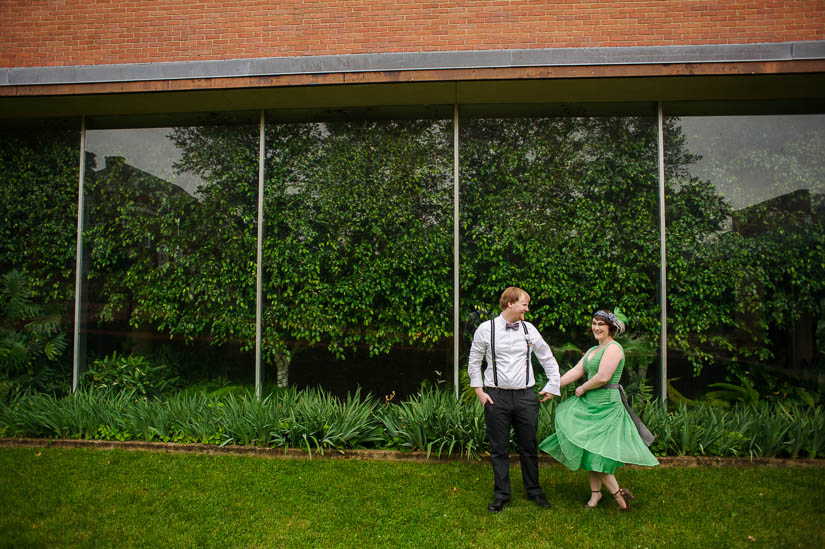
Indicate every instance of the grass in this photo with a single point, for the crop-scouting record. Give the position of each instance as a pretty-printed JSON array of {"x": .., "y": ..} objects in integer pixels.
[{"x": 55, "y": 497}]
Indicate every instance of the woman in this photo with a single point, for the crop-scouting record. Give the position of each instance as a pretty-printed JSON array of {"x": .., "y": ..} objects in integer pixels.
[{"x": 594, "y": 431}]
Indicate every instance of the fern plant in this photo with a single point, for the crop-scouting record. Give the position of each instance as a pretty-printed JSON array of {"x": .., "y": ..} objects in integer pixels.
[{"x": 31, "y": 339}]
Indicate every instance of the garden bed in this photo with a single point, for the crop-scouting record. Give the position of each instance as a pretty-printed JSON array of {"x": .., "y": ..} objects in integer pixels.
[{"x": 373, "y": 455}]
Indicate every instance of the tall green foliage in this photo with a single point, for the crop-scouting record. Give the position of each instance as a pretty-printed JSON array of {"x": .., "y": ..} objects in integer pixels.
[
  {"x": 38, "y": 231},
  {"x": 31, "y": 339},
  {"x": 181, "y": 261},
  {"x": 357, "y": 241},
  {"x": 38, "y": 210},
  {"x": 358, "y": 232},
  {"x": 565, "y": 208},
  {"x": 433, "y": 421},
  {"x": 358, "y": 237}
]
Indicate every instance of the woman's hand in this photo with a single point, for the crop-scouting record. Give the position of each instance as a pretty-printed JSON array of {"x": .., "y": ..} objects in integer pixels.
[{"x": 580, "y": 391}]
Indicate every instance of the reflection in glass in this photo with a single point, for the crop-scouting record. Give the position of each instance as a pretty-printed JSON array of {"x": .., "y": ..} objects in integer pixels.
[
  {"x": 38, "y": 231},
  {"x": 358, "y": 254},
  {"x": 565, "y": 208},
  {"x": 170, "y": 240},
  {"x": 746, "y": 248}
]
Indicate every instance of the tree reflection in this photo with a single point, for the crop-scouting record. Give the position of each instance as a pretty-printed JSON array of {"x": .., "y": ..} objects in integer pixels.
[{"x": 357, "y": 248}]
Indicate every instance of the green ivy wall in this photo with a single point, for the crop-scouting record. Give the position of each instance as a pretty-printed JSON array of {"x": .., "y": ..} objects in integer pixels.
[{"x": 358, "y": 237}]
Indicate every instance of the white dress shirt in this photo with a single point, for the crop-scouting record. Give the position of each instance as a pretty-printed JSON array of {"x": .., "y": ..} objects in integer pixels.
[{"x": 511, "y": 357}]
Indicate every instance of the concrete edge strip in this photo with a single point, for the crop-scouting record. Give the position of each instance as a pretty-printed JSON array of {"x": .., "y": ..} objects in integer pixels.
[
  {"x": 401, "y": 61},
  {"x": 369, "y": 455}
]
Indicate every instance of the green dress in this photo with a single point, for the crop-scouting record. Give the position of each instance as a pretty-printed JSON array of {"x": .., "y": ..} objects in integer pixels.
[{"x": 594, "y": 431}]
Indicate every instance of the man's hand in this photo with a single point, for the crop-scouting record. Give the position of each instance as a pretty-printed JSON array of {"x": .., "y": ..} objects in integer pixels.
[
  {"x": 546, "y": 396},
  {"x": 483, "y": 397}
]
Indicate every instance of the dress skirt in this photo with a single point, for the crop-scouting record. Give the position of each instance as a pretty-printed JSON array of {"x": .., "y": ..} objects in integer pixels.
[{"x": 595, "y": 432}]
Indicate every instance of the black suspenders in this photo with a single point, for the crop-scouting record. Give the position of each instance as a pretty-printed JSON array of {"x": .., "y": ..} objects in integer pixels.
[{"x": 493, "y": 350}]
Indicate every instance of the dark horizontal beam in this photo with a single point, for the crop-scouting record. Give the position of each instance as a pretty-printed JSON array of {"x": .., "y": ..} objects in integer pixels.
[{"x": 428, "y": 75}]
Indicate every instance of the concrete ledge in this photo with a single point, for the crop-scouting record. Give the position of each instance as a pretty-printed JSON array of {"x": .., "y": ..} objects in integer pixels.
[
  {"x": 409, "y": 61},
  {"x": 371, "y": 455}
]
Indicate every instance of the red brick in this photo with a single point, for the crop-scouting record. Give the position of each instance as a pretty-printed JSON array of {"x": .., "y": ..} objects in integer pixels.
[{"x": 178, "y": 30}]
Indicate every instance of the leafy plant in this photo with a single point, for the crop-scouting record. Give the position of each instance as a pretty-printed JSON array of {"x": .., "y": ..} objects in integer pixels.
[
  {"x": 31, "y": 339},
  {"x": 357, "y": 237},
  {"x": 435, "y": 422},
  {"x": 38, "y": 210},
  {"x": 744, "y": 392},
  {"x": 132, "y": 373},
  {"x": 639, "y": 355}
]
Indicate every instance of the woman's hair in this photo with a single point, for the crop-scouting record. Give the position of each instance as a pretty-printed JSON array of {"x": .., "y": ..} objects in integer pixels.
[
  {"x": 616, "y": 322},
  {"x": 511, "y": 295}
]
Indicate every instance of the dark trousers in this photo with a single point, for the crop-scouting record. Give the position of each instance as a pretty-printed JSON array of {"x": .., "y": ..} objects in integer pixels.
[{"x": 518, "y": 409}]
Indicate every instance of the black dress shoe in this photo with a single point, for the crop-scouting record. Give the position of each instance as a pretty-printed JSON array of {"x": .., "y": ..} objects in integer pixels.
[
  {"x": 497, "y": 505},
  {"x": 540, "y": 501}
]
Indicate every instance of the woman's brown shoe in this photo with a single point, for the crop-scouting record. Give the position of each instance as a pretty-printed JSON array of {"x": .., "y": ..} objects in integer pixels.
[{"x": 622, "y": 496}]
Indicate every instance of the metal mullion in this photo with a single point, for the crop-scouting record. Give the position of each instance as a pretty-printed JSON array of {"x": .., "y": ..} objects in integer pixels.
[
  {"x": 456, "y": 258},
  {"x": 78, "y": 281},
  {"x": 662, "y": 264},
  {"x": 259, "y": 261}
]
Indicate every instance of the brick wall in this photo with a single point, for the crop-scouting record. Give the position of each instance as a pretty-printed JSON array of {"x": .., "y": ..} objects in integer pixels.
[{"x": 88, "y": 32}]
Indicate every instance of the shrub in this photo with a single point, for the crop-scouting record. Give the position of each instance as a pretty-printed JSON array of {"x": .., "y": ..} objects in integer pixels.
[
  {"x": 132, "y": 373},
  {"x": 433, "y": 421},
  {"x": 31, "y": 340}
]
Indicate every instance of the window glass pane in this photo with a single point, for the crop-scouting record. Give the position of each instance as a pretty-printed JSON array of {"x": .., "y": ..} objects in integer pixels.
[
  {"x": 565, "y": 208},
  {"x": 746, "y": 251},
  {"x": 358, "y": 254},
  {"x": 38, "y": 231},
  {"x": 170, "y": 242}
]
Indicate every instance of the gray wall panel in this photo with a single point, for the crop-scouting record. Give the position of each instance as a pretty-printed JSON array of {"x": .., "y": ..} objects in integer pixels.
[{"x": 321, "y": 64}]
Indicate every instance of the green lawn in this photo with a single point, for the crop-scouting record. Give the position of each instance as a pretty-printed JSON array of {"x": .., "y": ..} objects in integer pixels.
[{"x": 68, "y": 497}]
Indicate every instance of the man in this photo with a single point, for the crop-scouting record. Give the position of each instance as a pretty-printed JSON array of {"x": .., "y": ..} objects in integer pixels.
[{"x": 506, "y": 392}]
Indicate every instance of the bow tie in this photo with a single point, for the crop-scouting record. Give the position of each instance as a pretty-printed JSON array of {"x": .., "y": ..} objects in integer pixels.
[{"x": 511, "y": 325}]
